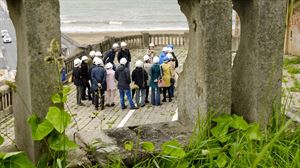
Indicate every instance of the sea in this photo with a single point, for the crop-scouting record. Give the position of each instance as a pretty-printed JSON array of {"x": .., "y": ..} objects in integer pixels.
[{"x": 85, "y": 16}]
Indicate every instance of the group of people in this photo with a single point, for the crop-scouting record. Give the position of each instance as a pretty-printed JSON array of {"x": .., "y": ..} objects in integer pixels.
[{"x": 95, "y": 77}]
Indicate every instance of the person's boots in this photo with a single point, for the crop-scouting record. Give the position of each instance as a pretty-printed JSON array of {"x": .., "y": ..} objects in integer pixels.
[{"x": 102, "y": 102}]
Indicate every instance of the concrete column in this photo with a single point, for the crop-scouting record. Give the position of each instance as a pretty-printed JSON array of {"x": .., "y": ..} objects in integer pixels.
[
  {"x": 205, "y": 83},
  {"x": 257, "y": 69},
  {"x": 37, "y": 22},
  {"x": 146, "y": 39}
]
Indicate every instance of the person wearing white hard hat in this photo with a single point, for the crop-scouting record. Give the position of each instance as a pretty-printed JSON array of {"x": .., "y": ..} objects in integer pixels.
[
  {"x": 155, "y": 74},
  {"x": 166, "y": 77},
  {"x": 140, "y": 78},
  {"x": 147, "y": 67},
  {"x": 78, "y": 80},
  {"x": 163, "y": 55},
  {"x": 99, "y": 83},
  {"x": 123, "y": 77},
  {"x": 92, "y": 54},
  {"x": 110, "y": 83},
  {"x": 86, "y": 78},
  {"x": 111, "y": 54},
  {"x": 125, "y": 53},
  {"x": 98, "y": 54},
  {"x": 151, "y": 51}
]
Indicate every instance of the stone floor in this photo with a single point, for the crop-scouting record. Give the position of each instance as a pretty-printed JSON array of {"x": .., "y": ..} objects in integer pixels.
[{"x": 86, "y": 118}]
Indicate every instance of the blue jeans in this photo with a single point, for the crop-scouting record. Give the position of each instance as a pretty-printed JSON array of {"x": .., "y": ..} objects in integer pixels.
[
  {"x": 140, "y": 97},
  {"x": 155, "y": 96},
  {"x": 122, "y": 95}
]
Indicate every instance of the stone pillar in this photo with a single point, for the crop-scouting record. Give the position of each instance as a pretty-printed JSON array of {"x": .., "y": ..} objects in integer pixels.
[
  {"x": 146, "y": 39},
  {"x": 37, "y": 22},
  {"x": 205, "y": 83},
  {"x": 257, "y": 69}
]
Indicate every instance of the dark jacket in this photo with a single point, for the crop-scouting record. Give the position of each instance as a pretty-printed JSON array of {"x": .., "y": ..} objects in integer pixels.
[
  {"x": 98, "y": 76},
  {"x": 109, "y": 57},
  {"x": 140, "y": 77},
  {"x": 77, "y": 76},
  {"x": 155, "y": 74},
  {"x": 85, "y": 71},
  {"x": 90, "y": 70},
  {"x": 124, "y": 53},
  {"x": 123, "y": 77},
  {"x": 176, "y": 60}
]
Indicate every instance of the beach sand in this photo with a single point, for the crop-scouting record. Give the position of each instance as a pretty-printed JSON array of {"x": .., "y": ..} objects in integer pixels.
[{"x": 93, "y": 38}]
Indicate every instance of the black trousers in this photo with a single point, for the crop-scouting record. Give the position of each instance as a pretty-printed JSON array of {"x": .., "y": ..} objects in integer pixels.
[
  {"x": 86, "y": 85},
  {"x": 96, "y": 98},
  {"x": 147, "y": 93},
  {"x": 165, "y": 90}
]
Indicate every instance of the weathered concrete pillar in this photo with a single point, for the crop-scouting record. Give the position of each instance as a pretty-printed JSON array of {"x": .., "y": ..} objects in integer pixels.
[
  {"x": 146, "y": 39},
  {"x": 205, "y": 83},
  {"x": 257, "y": 69},
  {"x": 37, "y": 22}
]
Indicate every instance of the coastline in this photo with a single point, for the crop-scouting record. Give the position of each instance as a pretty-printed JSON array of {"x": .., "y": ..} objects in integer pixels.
[{"x": 84, "y": 38}]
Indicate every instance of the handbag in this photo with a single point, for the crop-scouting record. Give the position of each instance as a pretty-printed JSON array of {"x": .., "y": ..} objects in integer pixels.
[
  {"x": 133, "y": 86},
  {"x": 161, "y": 83}
]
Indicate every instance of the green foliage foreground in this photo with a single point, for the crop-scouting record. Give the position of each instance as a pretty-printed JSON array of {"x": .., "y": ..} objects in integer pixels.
[{"x": 231, "y": 142}]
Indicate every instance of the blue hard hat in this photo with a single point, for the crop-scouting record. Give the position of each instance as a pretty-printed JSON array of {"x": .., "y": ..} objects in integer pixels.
[{"x": 170, "y": 46}]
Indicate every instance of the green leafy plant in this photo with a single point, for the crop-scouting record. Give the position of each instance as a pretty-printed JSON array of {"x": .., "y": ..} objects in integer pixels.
[
  {"x": 51, "y": 129},
  {"x": 14, "y": 159}
]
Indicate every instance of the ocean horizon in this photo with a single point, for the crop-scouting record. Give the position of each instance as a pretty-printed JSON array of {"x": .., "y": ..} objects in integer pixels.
[{"x": 79, "y": 16}]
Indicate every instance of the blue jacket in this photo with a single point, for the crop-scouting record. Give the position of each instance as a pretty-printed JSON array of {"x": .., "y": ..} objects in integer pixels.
[
  {"x": 155, "y": 75},
  {"x": 162, "y": 56},
  {"x": 109, "y": 57},
  {"x": 98, "y": 76}
]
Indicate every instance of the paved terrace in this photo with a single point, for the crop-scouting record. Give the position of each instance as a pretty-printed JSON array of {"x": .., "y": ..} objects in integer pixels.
[{"x": 86, "y": 118}]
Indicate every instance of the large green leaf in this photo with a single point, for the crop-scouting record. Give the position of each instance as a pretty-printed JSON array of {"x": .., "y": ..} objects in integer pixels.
[
  {"x": 239, "y": 123},
  {"x": 220, "y": 131},
  {"x": 1, "y": 140},
  {"x": 223, "y": 118},
  {"x": 222, "y": 160},
  {"x": 39, "y": 130},
  {"x": 254, "y": 132},
  {"x": 66, "y": 90},
  {"x": 128, "y": 145},
  {"x": 173, "y": 148},
  {"x": 148, "y": 146},
  {"x": 58, "y": 118},
  {"x": 18, "y": 161},
  {"x": 56, "y": 98},
  {"x": 60, "y": 142}
]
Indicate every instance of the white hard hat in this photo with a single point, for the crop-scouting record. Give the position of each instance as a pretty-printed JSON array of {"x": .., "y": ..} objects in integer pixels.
[
  {"x": 155, "y": 60},
  {"x": 92, "y": 53},
  {"x": 95, "y": 59},
  {"x": 115, "y": 45},
  {"x": 99, "y": 62},
  {"x": 146, "y": 57},
  {"x": 170, "y": 50},
  {"x": 165, "y": 49},
  {"x": 139, "y": 63},
  {"x": 109, "y": 65},
  {"x": 98, "y": 54},
  {"x": 170, "y": 56},
  {"x": 151, "y": 45},
  {"x": 83, "y": 58},
  {"x": 123, "y": 44},
  {"x": 77, "y": 62},
  {"x": 123, "y": 61}
]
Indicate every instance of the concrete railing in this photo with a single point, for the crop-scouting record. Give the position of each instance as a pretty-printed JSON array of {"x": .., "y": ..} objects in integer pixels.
[{"x": 5, "y": 102}]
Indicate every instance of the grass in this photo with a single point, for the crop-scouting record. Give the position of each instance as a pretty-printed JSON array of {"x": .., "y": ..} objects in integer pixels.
[
  {"x": 291, "y": 61},
  {"x": 231, "y": 142},
  {"x": 293, "y": 70}
]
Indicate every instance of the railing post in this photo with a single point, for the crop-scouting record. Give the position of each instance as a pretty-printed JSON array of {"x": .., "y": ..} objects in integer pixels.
[
  {"x": 146, "y": 39},
  {"x": 186, "y": 39}
]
